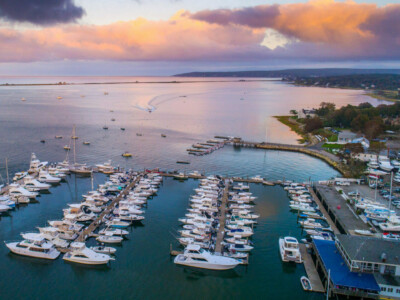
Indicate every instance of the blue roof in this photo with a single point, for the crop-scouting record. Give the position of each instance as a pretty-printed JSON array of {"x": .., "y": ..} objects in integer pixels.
[{"x": 340, "y": 273}]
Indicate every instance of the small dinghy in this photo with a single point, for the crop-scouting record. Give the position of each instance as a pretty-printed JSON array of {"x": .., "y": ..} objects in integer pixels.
[
  {"x": 305, "y": 282},
  {"x": 103, "y": 249},
  {"x": 364, "y": 232}
]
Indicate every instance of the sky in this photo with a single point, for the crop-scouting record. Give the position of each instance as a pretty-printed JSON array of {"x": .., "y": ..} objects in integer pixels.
[{"x": 165, "y": 37}]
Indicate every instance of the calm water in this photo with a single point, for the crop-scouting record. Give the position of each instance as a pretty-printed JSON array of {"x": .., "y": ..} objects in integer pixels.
[{"x": 143, "y": 268}]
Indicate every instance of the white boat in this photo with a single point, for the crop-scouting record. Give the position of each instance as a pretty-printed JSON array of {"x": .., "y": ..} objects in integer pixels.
[
  {"x": 103, "y": 249},
  {"x": 17, "y": 191},
  {"x": 391, "y": 225},
  {"x": 30, "y": 182},
  {"x": 109, "y": 239},
  {"x": 181, "y": 176},
  {"x": 305, "y": 283},
  {"x": 35, "y": 164},
  {"x": 289, "y": 249},
  {"x": 117, "y": 223},
  {"x": 310, "y": 223},
  {"x": 302, "y": 207},
  {"x": 240, "y": 247},
  {"x": 34, "y": 245},
  {"x": 19, "y": 175},
  {"x": 257, "y": 179},
  {"x": 46, "y": 177},
  {"x": 195, "y": 256},
  {"x": 364, "y": 232},
  {"x": 113, "y": 231},
  {"x": 81, "y": 254},
  {"x": 4, "y": 208},
  {"x": 105, "y": 167}
]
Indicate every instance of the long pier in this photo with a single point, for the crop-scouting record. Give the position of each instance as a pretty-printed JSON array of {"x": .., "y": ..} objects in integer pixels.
[
  {"x": 222, "y": 218},
  {"x": 96, "y": 223},
  {"x": 311, "y": 271}
]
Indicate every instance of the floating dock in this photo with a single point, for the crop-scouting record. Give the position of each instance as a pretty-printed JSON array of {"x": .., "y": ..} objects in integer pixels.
[
  {"x": 222, "y": 218},
  {"x": 311, "y": 271},
  {"x": 99, "y": 220}
]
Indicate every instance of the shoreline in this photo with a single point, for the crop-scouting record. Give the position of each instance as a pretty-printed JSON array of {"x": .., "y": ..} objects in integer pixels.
[
  {"x": 131, "y": 82},
  {"x": 369, "y": 93}
]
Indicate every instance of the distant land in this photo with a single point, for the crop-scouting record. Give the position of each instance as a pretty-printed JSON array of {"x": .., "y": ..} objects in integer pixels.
[{"x": 291, "y": 73}]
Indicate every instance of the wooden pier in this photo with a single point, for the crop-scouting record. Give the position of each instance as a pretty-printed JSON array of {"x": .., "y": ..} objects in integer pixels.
[
  {"x": 311, "y": 271},
  {"x": 222, "y": 218},
  {"x": 324, "y": 212},
  {"x": 99, "y": 220}
]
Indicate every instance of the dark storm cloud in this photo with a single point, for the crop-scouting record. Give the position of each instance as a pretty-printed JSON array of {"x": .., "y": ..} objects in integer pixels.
[
  {"x": 256, "y": 17},
  {"x": 41, "y": 12}
]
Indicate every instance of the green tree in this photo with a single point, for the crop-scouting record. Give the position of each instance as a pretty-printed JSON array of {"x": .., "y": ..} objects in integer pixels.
[{"x": 312, "y": 124}]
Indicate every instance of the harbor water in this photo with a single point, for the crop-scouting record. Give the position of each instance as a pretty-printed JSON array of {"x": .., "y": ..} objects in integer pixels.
[{"x": 187, "y": 113}]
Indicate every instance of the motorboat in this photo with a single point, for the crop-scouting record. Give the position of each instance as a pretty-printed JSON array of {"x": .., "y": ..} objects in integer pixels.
[
  {"x": 364, "y": 232},
  {"x": 391, "y": 225},
  {"x": 195, "y": 256},
  {"x": 117, "y": 223},
  {"x": 81, "y": 170},
  {"x": 302, "y": 207},
  {"x": 195, "y": 174},
  {"x": 126, "y": 154},
  {"x": 289, "y": 249},
  {"x": 113, "y": 231},
  {"x": 257, "y": 179},
  {"x": 81, "y": 254},
  {"x": 240, "y": 247},
  {"x": 310, "y": 223},
  {"x": 4, "y": 208},
  {"x": 34, "y": 245},
  {"x": 53, "y": 235},
  {"x": 181, "y": 176},
  {"x": 35, "y": 164},
  {"x": 105, "y": 167},
  {"x": 305, "y": 283},
  {"x": 16, "y": 190},
  {"x": 46, "y": 177},
  {"x": 103, "y": 249},
  {"x": 19, "y": 175},
  {"x": 109, "y": 239},
  {"x": 66, "y": 147},
  {"x": 30, "y": 182}
]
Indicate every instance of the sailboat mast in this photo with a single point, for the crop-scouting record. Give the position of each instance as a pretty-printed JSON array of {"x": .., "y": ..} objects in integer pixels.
[
  {"x": 8, "y": 179},
  {"x": 73, "y": 137}
]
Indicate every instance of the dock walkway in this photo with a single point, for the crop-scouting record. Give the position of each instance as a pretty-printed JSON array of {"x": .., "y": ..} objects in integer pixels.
[
  {"x": 222, "y": 218},
  {"x": 324, "y": 212},
  {"x": 96, "y": 223},
  {"x": 311, "y": 271}
]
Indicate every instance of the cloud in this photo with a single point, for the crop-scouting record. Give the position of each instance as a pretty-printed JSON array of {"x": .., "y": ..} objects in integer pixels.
[
  {"x": 41, "y": 12},
  {"x": 323, "y": 30}
]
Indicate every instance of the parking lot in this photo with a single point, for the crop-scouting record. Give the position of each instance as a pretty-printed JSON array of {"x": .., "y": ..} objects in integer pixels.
[{"x": 368, "y": 193}]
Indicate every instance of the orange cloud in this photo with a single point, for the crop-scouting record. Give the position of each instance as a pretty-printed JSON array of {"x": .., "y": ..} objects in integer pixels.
[
  {"x": 180, "y": 38},
  {"x": 318, "y": 29}
]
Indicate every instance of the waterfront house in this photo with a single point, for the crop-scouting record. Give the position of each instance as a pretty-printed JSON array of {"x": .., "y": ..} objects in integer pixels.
[
  {"x": 306, "y": 113},
  {"x": 346, "y": 137}
]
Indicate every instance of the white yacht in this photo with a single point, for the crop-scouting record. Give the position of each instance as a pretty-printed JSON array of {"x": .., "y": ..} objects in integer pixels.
[
  {"x": 392, "y": 224},
  {"x": 289, "y": 249},
  {"x": 30, "y": 182},
  {"x": 16, "y": 190},
  {"x": 384, "y": 164},
  {"x": 4, "y": 208},
  {"x": 195, "y": 256},
  {"x": 109, "y": 239},
  {"x": 257, "y": 179},
  {"x": 35, "y": 164},
  {"x": 103, "y": 249},
  {"x": 46, "y": 177},
  {"x": 19, "y": 175},
  {"x": 34, "y": 245},
  {"x": 81, "y": 254},
  {"x": 105, "y": 167}
]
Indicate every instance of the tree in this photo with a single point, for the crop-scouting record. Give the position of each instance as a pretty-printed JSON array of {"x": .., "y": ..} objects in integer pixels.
[
  {"x": 359, "y": 122},
  {"x": 325, "y": 108},
  {"x": 312, "y": 124},
  {"x": 293, "y": 112},
  {"x": 373, "y": 127}
]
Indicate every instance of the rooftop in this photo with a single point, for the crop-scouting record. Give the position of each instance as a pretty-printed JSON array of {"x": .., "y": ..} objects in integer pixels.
[
  {"x": 347, "y": 219},
  {"x": 339, "y": 272},
  {"x": 347, "y": 135},
  {"x": 370, "y": 249}
]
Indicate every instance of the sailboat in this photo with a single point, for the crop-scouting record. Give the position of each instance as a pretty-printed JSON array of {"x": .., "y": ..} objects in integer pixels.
[{"x": 76, "y": 168}]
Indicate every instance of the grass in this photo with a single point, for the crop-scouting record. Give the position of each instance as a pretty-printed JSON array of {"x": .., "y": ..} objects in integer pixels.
[
  {"x": 385, "y": 95},
  {"x": 332, "y": 148}
]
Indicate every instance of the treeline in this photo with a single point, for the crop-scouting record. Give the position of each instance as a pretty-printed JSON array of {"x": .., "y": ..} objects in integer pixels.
[
  {"x": 364, "y": 118},
  {"x": 362, "y": 81}
]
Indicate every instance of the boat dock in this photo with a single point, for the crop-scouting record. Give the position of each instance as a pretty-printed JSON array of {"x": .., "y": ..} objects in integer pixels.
[
  {"x": 324, "y": 212},
  {"x": 222, "y": 218},
  {"x": 311, "y": 271},
  {"x": 96, "y": 223}
]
